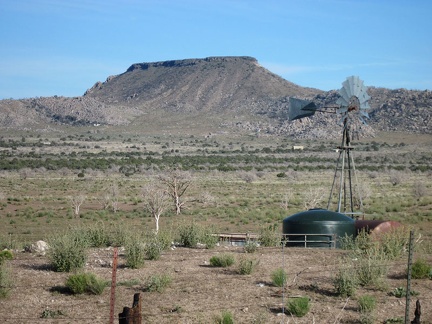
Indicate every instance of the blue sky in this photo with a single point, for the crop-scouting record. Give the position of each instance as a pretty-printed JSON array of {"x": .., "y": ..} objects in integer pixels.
[{"x": 54, "y": 47}]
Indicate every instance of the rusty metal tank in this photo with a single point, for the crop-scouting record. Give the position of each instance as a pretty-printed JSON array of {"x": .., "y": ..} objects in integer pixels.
[
  {"x": 376, "y": 227},
  {"x": 317, "y": 228}
]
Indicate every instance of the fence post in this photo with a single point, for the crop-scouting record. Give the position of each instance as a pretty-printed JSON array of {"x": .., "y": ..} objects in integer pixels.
[
  {"x": 408, "y": 289},
  {"x": 132, "y": 315},
  {"x": 113, "y": 285}
]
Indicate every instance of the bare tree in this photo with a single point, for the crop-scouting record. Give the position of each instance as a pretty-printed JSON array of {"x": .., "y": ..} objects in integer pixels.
[
  {"x": 110, "y": 198},
  {"x": 419, "y": 190},
  {"x": 313, "y": 197},
  {"x": 76, "y": 202},
  {"x": 177, "y": 182},
  {"x": 155, "y": 202},
  {"x": 286, "y": 199}
]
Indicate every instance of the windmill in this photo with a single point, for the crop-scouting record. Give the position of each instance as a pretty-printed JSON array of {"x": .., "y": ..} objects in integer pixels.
[{"x": 351, "y": 108}]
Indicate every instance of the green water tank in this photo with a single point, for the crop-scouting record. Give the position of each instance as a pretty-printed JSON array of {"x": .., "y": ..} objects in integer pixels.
[{"x": 317, "y": 228}]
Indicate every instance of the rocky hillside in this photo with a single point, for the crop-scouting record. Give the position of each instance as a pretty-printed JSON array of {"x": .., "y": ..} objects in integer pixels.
[{"x": 243, "y": 94}]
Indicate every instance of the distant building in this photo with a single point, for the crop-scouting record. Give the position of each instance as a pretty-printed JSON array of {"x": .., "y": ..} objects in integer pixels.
[{"x": 298, "y": 147}]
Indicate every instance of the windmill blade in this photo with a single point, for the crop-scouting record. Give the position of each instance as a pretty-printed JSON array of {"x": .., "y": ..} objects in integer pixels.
[{"x": 299, "y": 108}]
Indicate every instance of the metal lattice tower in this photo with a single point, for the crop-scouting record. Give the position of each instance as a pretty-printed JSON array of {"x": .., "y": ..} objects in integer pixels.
[{"x": 352, "y": 107}]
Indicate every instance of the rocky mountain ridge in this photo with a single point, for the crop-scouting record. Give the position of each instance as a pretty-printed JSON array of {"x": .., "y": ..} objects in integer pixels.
[{"x": 245, "y": 95}]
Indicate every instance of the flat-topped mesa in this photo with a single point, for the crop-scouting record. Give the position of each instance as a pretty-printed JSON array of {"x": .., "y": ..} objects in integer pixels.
[{"x": 189, "y": 62}]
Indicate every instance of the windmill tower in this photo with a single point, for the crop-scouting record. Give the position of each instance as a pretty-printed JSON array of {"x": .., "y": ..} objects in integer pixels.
[{"x": 351, "y": 108}]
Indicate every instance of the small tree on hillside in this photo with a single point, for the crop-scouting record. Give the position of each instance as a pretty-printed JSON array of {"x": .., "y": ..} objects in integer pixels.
[
  {"x": 155, "y": 202},
  {"x": 177, "y": 182},
  {"x": 76, "y": 202}
]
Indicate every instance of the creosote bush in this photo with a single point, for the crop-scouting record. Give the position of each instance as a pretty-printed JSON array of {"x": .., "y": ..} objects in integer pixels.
[
  {"x": 86, "y": 283},
  {"x": 135, "y": 250},
  {"x": 250, "y": 246},
  {"x": 246, "y": 266},
  {"x": 298, "y": 306},
  {"x": 270, "y": 237},
  {"x": 223, "y": 260},
  {"x": 346, "y": 281},
  {"x": 190, "y": 234},
  {"x": 68, "y": 251}
]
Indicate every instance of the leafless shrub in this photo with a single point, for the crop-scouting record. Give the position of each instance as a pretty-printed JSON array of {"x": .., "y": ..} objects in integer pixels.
[
  {"x": 419, "y": 190},
  {"x": 207, "y": 198},
  {"x": 286, "y": 199},
  {"x": 395, "y": 177},
  {"x": 247, "y": 176}
]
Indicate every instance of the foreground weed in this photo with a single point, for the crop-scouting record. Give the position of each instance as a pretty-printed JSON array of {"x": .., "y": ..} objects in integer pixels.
[
  {"x": 48, "y": 313},
  {"x": 5, "y": 255},
  {"x": 5, "y": 280},
  {"x": 158, "y": 283},
  {"x": 225, "y": 318},
  {"x": 298, "y": 306},
  {"x": 279, "y": 277},
  {"x": 420, "y": 269},
  {"x": 222, "y": 260},
  {"x": 86, "y": 283},
  {"x": 367, "y": 305},
  {"x": 129, "y": 283},
  {"x": 401, "y": 292}
]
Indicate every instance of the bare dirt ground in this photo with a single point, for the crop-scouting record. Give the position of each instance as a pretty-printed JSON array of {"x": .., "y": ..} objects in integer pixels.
[{"x": 199, "y": 293}]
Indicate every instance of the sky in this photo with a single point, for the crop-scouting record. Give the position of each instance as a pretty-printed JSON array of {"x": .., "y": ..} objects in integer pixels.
[{"x": 56, "y": 47}]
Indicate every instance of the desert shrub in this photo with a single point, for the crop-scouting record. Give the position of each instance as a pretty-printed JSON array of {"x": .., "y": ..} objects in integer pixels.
[
  {"x": 400, "y": 292},
  {"x": 420, "y": 269},
  {"x": 158, "y": 283},
  {"x": 154, "y": 245},
  {"x": 269, "y": 237},
  {"x": 5, "y": 279},
  {"x": 298, "y": 306},
  {"x": 223, "y": 260},
  {"x": 246, "y": 266},
  {"x": 97, "y": 235},
  {"x": 395, "y": 243},
  {"x": 68, "y": 251},
  {"x": 371, "y": 268},
  {"x": 225, "y": 318},
  {"x": 367, "y": 305},
  {"x": 135, "y": 251},
  {"x": 192, "y": 234},
  {"x": 345, "y": 280},
  {"x": 48, "y": 313},
  {"x": 394, "y": 320},
  {"x": 5, "y": 255},
  {"x": 86, "y": 283},
  {"x": 189, "y": 234},
  {"x": 207, "y": 238},
  {"x": 250, "y": 246},
  {"x": 279, "y": 277}
]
